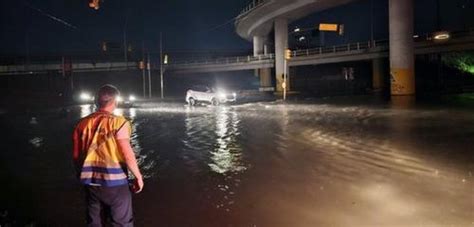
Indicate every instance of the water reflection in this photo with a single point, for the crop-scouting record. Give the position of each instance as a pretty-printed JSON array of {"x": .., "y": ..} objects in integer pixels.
[
  {"x": 283, "y": 135},
  {"x": 132, "y": 113},
  {"x": 146, "y": 160},
  {"x": 119, "y": 111},
  {"x": 227, "y": 152},
  {"x": 86, "y": 109},
  {"x": 36, "y": 142},
  {"x": 33, "y": 121},
  {"x": 212, "y": 143},
  {"x": 213, "y": 136}
]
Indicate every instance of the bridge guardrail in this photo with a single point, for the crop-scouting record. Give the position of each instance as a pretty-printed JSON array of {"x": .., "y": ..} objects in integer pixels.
[
  {"x": 359, "y": 46},
  {"x": 340, "y": 48},
  {"x": 251, "y": 6},
  {"x": 378, "y": 45},
  {"x": 228, "y": 60}
]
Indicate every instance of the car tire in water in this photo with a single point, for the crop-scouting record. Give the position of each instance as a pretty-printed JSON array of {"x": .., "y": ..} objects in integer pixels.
[
  {"x": 191, "y": 101},
  {"x": 214, "y": 102}
]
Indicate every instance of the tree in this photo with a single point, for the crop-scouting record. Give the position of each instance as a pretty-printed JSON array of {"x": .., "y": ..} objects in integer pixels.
[{"x": 463, "y": 61}]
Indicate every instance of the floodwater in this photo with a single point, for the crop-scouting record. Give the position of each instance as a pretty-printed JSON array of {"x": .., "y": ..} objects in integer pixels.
[{"x": 260, "y": 164}]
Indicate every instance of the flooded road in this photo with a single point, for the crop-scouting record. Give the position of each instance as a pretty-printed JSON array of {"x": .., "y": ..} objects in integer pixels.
[{"x": 259, "y": 164}]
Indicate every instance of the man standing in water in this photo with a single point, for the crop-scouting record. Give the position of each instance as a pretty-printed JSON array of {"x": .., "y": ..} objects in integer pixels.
[{"x": 103, "y": 155}]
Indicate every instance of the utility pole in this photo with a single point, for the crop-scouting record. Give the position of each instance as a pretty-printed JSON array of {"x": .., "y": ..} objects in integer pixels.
[
  {"x": 148, "y": 65},
  {"x": 143, "y": 68},
  {"x": 371, "y": 22},
  {"x": 161, "y": 64},
  {"x": 125, "y": 46},
  {"x": 125, "y": 57},
  {"x": 285, "y": 79},
  {"x": 285, "y": 72}
]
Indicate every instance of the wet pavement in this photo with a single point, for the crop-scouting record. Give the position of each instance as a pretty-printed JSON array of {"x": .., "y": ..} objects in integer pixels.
[{"x": 259, "y": 164}]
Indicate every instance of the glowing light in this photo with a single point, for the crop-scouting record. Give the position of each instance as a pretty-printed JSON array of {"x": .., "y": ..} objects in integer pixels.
[
  {"x": 118, "y": 112},
  {"x": 463, "y": 61},
  {"x": 132, "y": 98},
  {"x": 470, "y": 69},
  {"x": 441, "y": 35},
  {"x": 85, "y": 96},
  {"x": 221, "y": 95}
]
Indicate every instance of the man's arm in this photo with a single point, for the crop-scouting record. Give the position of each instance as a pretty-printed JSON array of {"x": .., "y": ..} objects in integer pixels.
[{"x": 131, "y": 161}]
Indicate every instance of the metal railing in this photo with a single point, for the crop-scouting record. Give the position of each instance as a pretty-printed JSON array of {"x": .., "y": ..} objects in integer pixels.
[
  {"x": 227, "y": 60},
  {"x": 251, "y": 6},
  {"x": 359, "y": 46},
  {"x": 421, "y": 41}
]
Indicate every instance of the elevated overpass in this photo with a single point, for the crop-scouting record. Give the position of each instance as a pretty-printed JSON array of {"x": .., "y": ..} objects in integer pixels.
[
  {"x": 360, "y": 51},
  {"x": 263, "y": 16},
  {"x": 323, "y": 55},
  {"x": 258, "y": 18}
]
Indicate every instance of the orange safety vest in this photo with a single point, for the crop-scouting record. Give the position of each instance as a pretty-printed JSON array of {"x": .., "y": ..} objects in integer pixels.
[{"x": 96, "y": 151}]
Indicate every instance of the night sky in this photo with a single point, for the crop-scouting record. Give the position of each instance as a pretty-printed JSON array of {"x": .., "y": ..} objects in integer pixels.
[{"x": 187, "y": 25}]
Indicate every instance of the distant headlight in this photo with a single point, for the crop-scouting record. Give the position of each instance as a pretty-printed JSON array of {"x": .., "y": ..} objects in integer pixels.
[
  {"x": 234, "y": 94},
  {"x": 132, "y": 98},
  {"x": 85, "y": 97},
  {"x": 119, "y": 99}
]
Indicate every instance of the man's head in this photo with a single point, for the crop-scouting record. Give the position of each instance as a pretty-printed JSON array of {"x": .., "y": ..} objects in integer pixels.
[{"x": 107, "y": 96}]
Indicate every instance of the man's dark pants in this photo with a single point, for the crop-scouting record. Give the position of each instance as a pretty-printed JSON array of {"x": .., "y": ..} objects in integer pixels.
[{"x": 117, "y": 200}]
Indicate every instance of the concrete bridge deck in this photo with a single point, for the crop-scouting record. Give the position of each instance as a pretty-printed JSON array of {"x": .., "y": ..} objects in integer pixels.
[{"x": 258, "y": 18}]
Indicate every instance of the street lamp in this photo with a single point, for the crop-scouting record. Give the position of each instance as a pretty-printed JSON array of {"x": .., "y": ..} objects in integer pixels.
[
  {"x": 163, "y": 63},
  {"x": 441, "y": 35}
]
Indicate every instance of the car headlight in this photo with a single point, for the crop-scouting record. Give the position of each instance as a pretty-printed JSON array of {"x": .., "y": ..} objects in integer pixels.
[
  {"x": 85, "y": 97},
  {"x": 221, "y": 95},
  {"x": 132, "y": 98},
  {"x": 234, "y": 94},
  {"x": 119, "y": 99}
]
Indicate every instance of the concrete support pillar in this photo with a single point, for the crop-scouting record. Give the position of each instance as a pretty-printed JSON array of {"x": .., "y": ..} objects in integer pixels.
[
  {"x": 258, "y": 45},
  {"x": 259, "y": 48},
  {"x": 266, "y": 79},
  {"x": 402, "y": 59},
  {"x": 377, "y": 75},
  {"x": 281, "y": 44}
]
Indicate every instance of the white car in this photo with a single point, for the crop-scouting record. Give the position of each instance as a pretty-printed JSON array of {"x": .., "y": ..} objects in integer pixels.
[
  {"x": 202, "y": 94},
  {"x": 128, "y": 101},
  {"x": 86, "y": 97}
]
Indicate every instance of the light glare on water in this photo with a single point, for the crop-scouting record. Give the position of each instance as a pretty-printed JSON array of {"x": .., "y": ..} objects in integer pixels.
[{"x": 269, "y": 164}]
